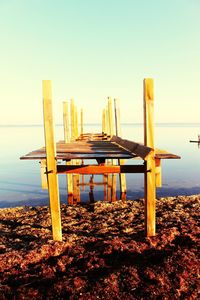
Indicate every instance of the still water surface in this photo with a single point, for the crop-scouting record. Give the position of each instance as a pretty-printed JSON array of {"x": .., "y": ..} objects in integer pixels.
[{"x": 20, "y": 180}]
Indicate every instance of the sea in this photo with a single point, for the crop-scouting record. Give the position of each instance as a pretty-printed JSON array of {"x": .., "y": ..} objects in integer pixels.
[{"x": 20, "y": 182}]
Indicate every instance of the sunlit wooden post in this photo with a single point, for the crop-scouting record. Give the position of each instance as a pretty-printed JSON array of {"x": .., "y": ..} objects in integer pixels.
[
  {"x": 103, "y": 121},
  {"x": 51, "y": 161},
  {"x": 149, "y": 178},
  {"x": 72, "y": 113},
  {"x": 158, "y": 172},
  {"x": 81, "y": 121},
  {"x": 111, "y": 127},
  {"x": 110, "y": 117},
  {"x": 76, "y": 122},
  {"x": 43, "y": 167},
  {"x": 67, "y": 140},
  {"x": 66, "y": 121},
  {"x": 122, "y": 176}
]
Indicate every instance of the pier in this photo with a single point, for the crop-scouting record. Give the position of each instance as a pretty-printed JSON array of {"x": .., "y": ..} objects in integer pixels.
[{"x": 108, "y": 149}]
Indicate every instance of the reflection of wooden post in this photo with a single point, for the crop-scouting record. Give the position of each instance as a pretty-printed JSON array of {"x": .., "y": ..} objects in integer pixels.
[
  {"x": 122, "y": 176},
  {"x": 149, "y": 182},
  {"x": 43, "y": 173},
  {"x": 51, "y": 162}
]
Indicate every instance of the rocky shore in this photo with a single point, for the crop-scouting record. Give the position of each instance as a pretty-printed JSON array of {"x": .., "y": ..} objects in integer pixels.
[{"x": 104, "y": 254}]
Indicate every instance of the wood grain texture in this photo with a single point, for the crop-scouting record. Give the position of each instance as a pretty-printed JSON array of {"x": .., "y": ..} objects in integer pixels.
[
  {"x": 51, "y": 162},
  {"x": 149, "y": 177}
]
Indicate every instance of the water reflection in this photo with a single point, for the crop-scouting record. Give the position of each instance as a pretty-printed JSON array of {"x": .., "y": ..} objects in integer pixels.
[{"x": 20, "y": 180}]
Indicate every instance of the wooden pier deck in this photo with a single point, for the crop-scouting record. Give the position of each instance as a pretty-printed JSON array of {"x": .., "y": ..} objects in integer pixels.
[{"x": 110, "y": 151}]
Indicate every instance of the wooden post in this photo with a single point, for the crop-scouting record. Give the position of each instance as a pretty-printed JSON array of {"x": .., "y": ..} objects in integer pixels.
[
  {"x": 110, "y": 117},
  {"x": 72, "y": 113},
  {"x": 149, "y": 178},
  {"x": 122, "y": 176},
  {"x": 67, "y": 140},
  {"x": 81, "y": 121},
  {"x": 103, "y": 121},
  {"x": 51, "y": 162},
  {"x": 43, "y": 166},
  {"x": 66, "y": 121},
  {"x": 76, "y": 122},
  {"x": 158, "y": 173}
]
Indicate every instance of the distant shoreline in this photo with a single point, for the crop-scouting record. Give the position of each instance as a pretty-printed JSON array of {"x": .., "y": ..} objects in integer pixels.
[{"x": 164, "y": 124}]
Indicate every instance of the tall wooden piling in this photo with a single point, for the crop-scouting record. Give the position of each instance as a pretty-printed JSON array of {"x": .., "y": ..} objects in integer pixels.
[
  {"x": 43, "y": 167},
  {"x": 67, "y": 140},
  {"x": 72, "y": 114},
  {"x": 51, "y": 161},
  {"x": 66, "y": 121},
  {"x": 110, "y": 117},
  {"x": 149, "y": 177},
  {"x": 81, "y": 121},
  {"x": 122, "y": 176}
]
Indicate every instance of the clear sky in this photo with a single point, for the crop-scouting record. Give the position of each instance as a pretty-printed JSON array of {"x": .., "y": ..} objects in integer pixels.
[{"x": 92, "y": 49}]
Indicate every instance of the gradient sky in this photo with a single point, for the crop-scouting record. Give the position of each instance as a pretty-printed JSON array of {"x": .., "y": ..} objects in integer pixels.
[{"x": 92, "y": 49}]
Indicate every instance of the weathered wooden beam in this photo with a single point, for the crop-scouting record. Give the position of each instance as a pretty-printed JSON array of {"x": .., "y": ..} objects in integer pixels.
[
  {"x": 51, "y": 162},
  {"x": 97, "y": 169},
  {"x": 135, "y": 149},
  {"x": 149, "y": 177}
]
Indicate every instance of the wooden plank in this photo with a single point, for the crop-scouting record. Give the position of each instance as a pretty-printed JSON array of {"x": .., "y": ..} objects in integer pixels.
[
  {"x": 51, "y": 162},
  {"x": 99, "y": 169},
  {"x": 149, "y": 177},
  {"x": 135, "y": 149}
]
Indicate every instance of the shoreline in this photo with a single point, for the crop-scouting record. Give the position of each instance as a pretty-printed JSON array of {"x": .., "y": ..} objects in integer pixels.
[
  {"x": 104, "y": 253},
  {"x": 44, "y": 201}
]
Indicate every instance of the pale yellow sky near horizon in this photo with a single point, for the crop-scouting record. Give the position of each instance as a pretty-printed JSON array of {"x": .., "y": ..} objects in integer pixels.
[{"x": 95, "y": 49}]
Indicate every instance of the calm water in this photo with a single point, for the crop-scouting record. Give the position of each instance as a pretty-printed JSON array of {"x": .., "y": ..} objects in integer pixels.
[{"x": 20, "y": 180}]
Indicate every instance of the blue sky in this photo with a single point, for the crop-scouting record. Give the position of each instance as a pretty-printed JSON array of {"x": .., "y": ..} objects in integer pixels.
[{"x": 92, "y": 49}]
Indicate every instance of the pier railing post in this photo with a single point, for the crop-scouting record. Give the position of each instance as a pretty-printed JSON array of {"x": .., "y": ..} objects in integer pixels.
[
  {"x": 51, "y": 162},
  {"x": 149, "y": 177}
]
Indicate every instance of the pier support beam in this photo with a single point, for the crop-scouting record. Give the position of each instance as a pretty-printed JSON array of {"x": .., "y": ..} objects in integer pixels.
[
  {"x": 149, "y": 177},
  {"x": 51, "y": 162},
  {"x": 122, "y": 176}
]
